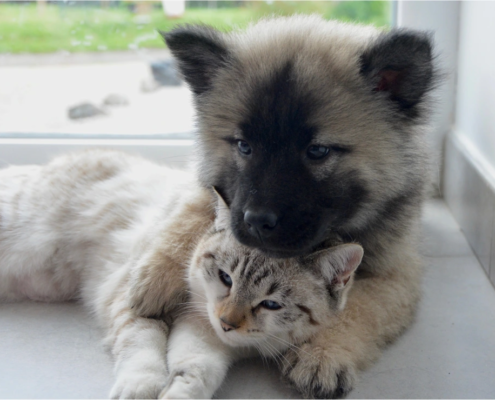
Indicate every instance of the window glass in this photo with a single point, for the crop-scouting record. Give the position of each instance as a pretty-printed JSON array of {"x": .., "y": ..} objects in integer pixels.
[{"x": 82, "y": 68}]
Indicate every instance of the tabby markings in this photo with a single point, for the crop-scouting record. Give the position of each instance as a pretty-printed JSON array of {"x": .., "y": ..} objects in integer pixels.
[{"x": 310, "y": 314}]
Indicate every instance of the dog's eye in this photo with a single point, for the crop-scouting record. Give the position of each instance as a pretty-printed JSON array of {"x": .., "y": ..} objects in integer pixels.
[
  {"x": 225, "y": 278},
  {"x": 317, "y": 152},
  {"x": 244, "y": 147},
  {"x": 270, "y": 305}
]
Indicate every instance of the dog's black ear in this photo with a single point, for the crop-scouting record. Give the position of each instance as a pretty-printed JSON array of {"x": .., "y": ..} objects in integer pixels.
[
  {"x": 200, "y": 52},
  {"x": 400, "y": 63}
]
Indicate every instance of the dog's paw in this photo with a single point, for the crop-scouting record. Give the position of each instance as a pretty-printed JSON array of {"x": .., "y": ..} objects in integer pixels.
[
  {"x": 319, "y": 372},
  {"x": 138, "y": 386}
]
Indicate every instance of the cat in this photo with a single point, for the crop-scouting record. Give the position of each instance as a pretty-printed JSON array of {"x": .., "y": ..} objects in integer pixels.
[
  {"x": 84, "y": 225},
  {"x": 243, "y": 301}
]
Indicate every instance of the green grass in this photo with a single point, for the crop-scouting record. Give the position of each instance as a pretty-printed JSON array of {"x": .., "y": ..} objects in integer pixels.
[{"x": 23, "y": 29}]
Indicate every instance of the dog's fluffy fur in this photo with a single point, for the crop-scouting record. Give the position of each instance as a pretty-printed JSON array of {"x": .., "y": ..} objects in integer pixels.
[
  {"x": 288, "y": 83},
  {"x": 284, "y": 85}
]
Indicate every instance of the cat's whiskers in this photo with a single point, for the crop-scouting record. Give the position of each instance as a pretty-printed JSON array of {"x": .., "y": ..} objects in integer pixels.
[
  {"x": 274, "y": 353},
  {"x": 197, "y": 308},
  {"x": 278, "y": 355},
  {"x": 263, "y": 350},
  {"x": 192, "y": 302},
  {"x": 260, "y": 351},
  {"x": 197, "y": 294},
  {"x": 290, "y": 344},
  {"x": 191, "y": 309}
]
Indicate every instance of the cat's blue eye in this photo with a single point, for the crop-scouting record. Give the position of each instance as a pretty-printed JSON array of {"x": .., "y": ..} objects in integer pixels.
[
  {"x": 225, "y": 278},
  {"x": 270, "y": 305}
]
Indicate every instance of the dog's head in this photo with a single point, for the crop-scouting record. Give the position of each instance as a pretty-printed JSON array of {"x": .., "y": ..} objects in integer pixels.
[{"x": 308, "y": 126}]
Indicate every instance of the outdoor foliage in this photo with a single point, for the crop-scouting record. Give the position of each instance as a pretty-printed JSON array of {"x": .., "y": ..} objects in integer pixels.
[{"x": 78, "y": 28}]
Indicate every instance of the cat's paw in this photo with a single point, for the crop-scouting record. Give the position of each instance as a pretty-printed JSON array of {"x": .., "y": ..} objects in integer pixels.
[
  {"x": 183, "y": 386},
  {"x": 320, "y": 372},
  {"x": 138, "y": 386}
]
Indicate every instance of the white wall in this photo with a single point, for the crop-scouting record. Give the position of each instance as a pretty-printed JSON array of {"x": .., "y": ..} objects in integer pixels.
[
  {"x": 469, "y": 184},
  {"x": 441, "y": 18},
  {"x": 475, "y": 99}
]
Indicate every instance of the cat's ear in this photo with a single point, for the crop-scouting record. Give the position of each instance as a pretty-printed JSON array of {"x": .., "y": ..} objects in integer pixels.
[
  {"x": 222, "y": 220},
  {"x": 200, "y": 51},
  {"x": 337, "y": 264}
]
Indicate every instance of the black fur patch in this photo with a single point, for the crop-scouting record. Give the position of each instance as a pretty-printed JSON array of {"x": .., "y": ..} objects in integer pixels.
[
  {"x": 200, "y": 51},
  {"x": 276, "y": 177},
  {"x": 278, "y": 114},
  {"x": 352, "y": 193},
  {"x": 306, "y": 208},
  {"x": 393, "y": 217},
  {"x": 400, "y": 63}
]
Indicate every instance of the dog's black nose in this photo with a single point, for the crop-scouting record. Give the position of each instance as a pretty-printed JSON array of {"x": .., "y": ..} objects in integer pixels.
[{"x": 260, "y": 222}]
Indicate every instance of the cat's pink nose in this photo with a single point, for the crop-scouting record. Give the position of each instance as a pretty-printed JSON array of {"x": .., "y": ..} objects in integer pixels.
[{"x": 227, "y": 326}]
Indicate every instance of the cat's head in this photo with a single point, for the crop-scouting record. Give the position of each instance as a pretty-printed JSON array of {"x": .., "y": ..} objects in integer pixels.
[{"x": 253, "y": 300}]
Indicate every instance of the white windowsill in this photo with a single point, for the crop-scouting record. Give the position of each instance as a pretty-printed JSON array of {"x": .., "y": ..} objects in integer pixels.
[{"x": 174, "y": 153}]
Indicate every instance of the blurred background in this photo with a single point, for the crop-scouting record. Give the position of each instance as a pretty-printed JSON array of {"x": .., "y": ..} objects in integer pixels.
[{"x": 101, "y": 68}]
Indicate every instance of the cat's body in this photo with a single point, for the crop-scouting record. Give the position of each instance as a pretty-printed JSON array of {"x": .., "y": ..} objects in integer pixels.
[
  {"x": 85, "y": 208},
  {"x": 68, "y": 230},
  {"x": 85, "y": 225}
]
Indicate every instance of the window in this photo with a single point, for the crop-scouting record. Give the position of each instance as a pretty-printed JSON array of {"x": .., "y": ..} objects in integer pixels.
[{"x": 72, "y": 72}]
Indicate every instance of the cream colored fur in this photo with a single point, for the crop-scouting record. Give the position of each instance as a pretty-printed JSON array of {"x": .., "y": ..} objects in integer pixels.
[
  {"x": 325, "y": 58},
  {"x": 379, "y": 307},
  {"x": 73, "y": 229},
  {"x": 105, "y": 228},
  {"x": 346, "y": 107}
]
